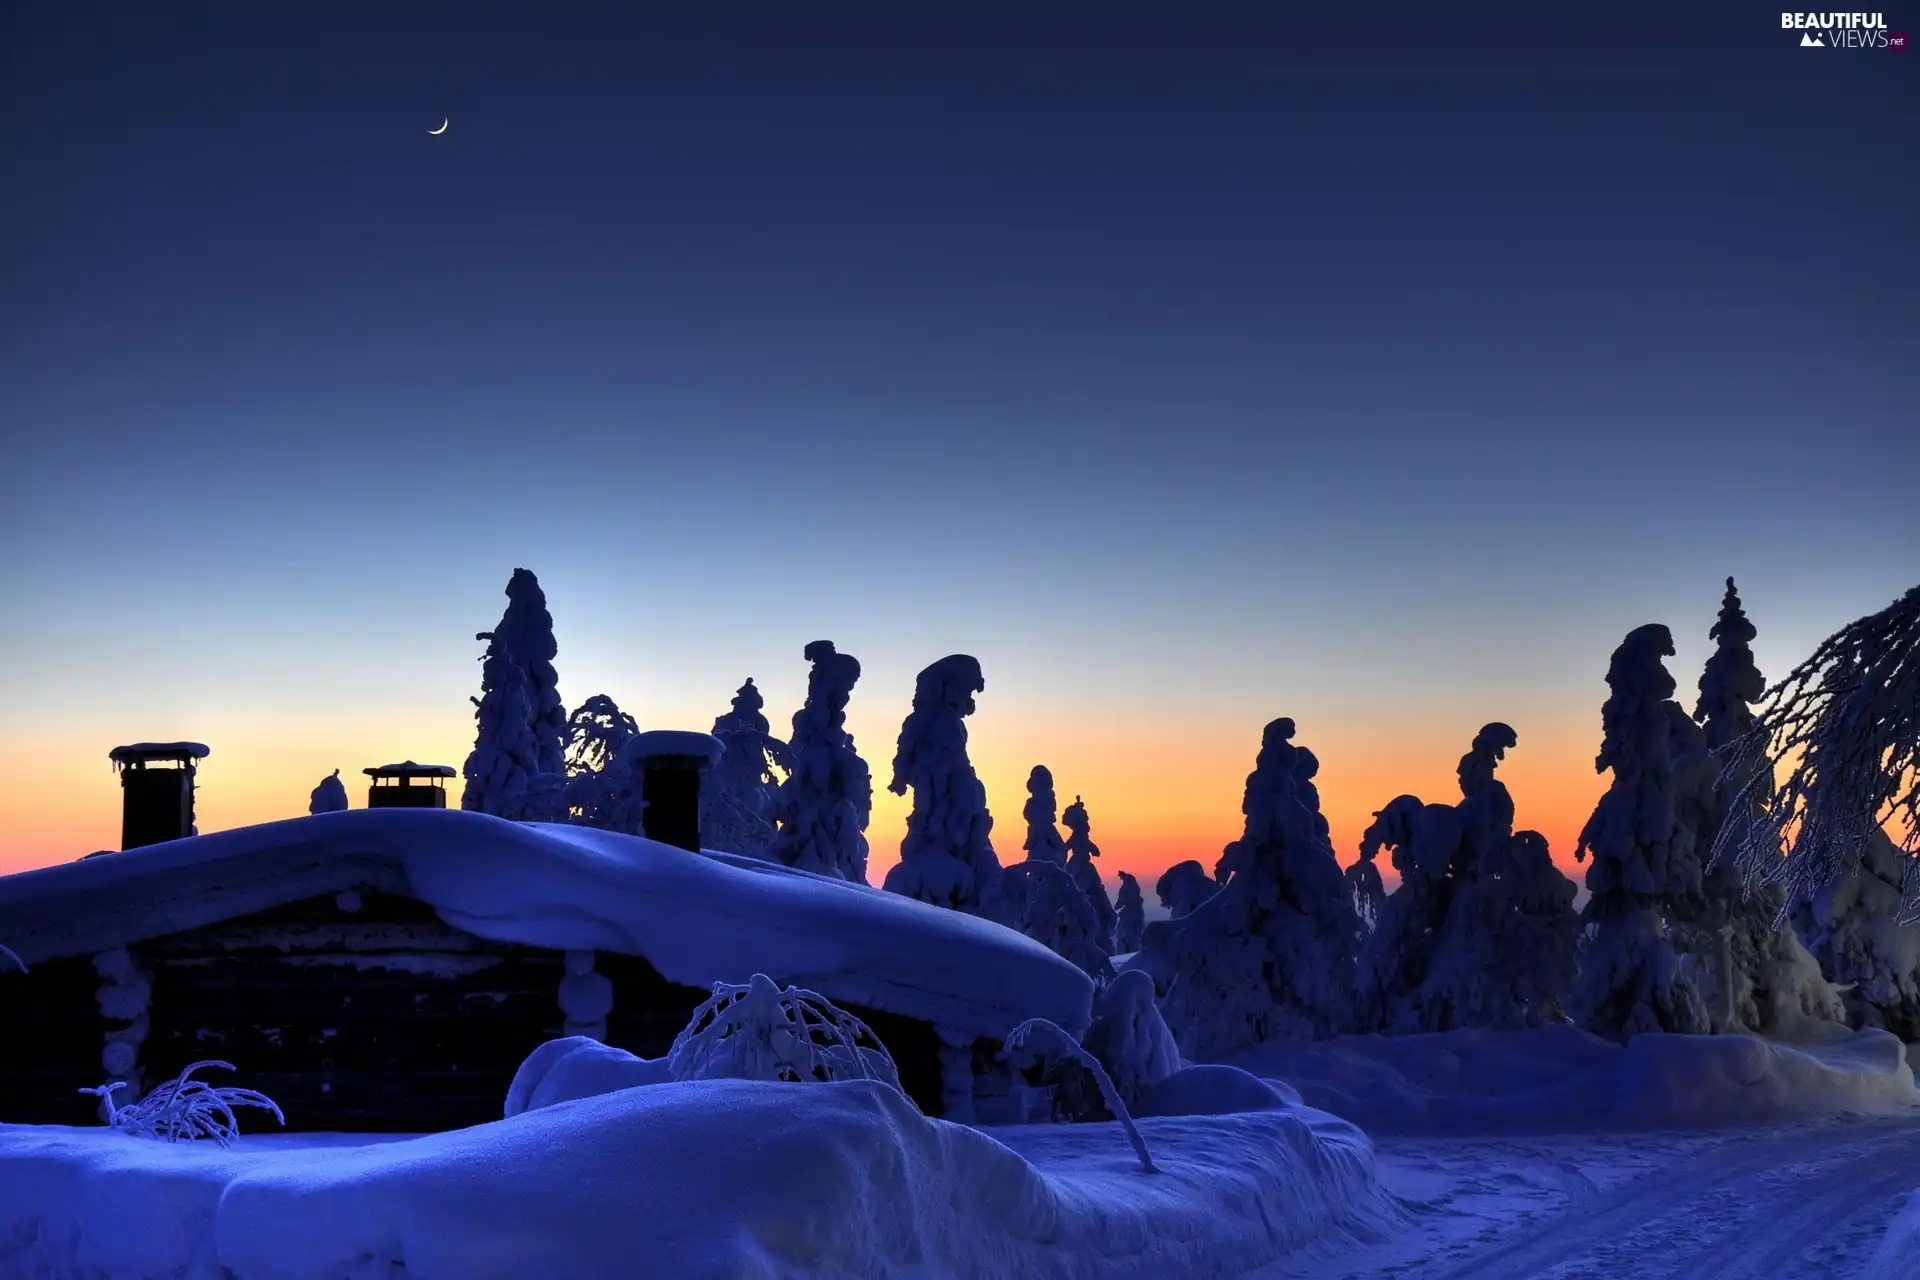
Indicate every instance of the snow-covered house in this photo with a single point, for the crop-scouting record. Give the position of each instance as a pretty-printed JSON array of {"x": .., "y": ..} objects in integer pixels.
[{"x": 388, "y": 969}]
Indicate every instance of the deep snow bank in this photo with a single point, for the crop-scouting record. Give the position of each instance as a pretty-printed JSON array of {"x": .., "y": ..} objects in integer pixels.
[
  {"x": 1558, "y": 1078},
  {"x": 706, "y": 1179}
]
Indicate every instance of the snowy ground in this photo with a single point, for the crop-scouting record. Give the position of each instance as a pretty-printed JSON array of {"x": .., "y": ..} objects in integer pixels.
[
  {"x": 1780, "y": 1203},
  {"x": 1512, "y": 1157},
  {"x": 1552, "y": 1154}
]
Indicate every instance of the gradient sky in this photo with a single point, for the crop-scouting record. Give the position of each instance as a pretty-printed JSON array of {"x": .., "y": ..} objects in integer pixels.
[{"x": 1189, "y": 370}]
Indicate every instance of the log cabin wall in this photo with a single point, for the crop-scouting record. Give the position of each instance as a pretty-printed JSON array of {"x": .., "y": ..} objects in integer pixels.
[{"x": 360, "y": 1012}]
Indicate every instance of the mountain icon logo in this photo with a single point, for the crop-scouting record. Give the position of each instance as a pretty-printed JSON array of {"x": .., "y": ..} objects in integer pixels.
[{"x": 1808, "y": 40}]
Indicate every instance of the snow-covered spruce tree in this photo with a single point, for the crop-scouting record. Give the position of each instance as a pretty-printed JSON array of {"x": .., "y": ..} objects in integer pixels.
[
  {"x": 1437, "y": 849},
  {"x": 1043, "y": 835},
  {"x": 1425, "y": 841},
  {"x": 1509, "y": 949},
  {"x": 947, "y": 857},
  {"x": 1848, "y": 718},
  {"x": 1129, "y": 915},
  {"x": 505, "y": 756},
  {"x": 1184, "y": 886},
  {"x": 1474, "y": 900},
  {"x": 827, "y": 798},
  {"x": 527, "y": 629},
  {"x": 1752, "y": 971},
  {"x": 1486, "y": 806},
  {"x": 1853, "y": 927},
  {"x": 1643, "y": 864},
  {"x": 1513, "y": 942},
  {"x": 329, "y": 797},
  {"x": 600, "y": 790},
  {"x": 1271, "y": 953},
  {"x": 1042, "y": 900},
  {"x": 1081, "y": 851},
  {"x": 742, "y": 796},
  {"x": 595, "y": 732}
]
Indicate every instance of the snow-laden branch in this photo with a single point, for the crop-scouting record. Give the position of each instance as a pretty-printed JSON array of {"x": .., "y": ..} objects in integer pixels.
[
  {"x": 1848, "y": 720},
  {"x": 1020, "y": 1047}
]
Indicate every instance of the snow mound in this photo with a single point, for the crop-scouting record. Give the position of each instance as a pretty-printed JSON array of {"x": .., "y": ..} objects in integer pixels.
[
  {"x": 1558, "y": 1078},
  {"x": 699, "y": 918},
  {"x": 820, "y": 1180},
  {"x": 576, "y": 1067}
]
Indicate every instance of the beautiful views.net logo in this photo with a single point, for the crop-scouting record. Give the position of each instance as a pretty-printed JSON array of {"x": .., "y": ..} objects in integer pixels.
[{"x": 1844, "y": 31}]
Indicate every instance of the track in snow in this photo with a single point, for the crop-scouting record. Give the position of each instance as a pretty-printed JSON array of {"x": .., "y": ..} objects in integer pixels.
[{"x": 1800, "y": 1203}]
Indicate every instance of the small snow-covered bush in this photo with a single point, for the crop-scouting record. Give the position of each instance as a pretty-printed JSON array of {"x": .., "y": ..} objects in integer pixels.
[
  {"x": 185, "y": 1108},
  {"x": 761, "y": 1032},
  {"x": 1037, "y": 1038}
]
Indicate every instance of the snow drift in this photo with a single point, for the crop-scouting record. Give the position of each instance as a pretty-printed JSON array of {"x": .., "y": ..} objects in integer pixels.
[
  {"x": 791, "y": 1181},
  {"x": 1558, "y": 1078}
]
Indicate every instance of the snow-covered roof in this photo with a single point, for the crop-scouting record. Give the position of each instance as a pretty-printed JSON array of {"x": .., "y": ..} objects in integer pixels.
[
  {"x": 408, "y": 769},
  {"x": 698, "y": 918},
  {"x": 673, "y": 742},
  {"x": 159, "y": 750}
]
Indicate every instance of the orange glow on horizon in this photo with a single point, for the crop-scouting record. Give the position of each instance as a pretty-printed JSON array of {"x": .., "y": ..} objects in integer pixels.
[{"x": 1157, "y": 793}]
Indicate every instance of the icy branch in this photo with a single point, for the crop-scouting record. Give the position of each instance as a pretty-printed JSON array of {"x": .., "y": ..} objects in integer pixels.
[
  {"x": 1019, "y": 1046},
  {"x": 1848, "y": 718}
]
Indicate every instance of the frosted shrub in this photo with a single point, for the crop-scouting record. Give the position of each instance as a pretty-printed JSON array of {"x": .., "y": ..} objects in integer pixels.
[
  {"x": 184, "y": 1108},
  {"x": 761, "y": 1032},
  {"x": 1037, "y": 1038}
]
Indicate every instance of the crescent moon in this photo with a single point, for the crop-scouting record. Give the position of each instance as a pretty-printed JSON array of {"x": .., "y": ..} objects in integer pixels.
[{"x": 442, "y": 129}]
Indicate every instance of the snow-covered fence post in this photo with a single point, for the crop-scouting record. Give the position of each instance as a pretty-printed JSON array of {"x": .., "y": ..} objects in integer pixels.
[
  {"x": 1019, "y": 1044},
  {"x": 126, "y": 992},
  {"x": 956, "y": 1075},
  {"x": 586, "y": 997}
]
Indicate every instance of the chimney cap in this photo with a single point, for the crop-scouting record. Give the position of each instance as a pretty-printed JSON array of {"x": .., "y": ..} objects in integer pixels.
[
  {"x": 142, "y": 751},
  {"x": 408, "y": 769}
]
